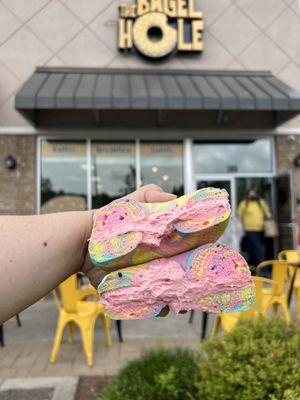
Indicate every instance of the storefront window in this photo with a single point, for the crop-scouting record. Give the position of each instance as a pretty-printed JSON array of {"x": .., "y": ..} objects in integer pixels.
[
  {"x": 162, "y": 164},
  {"x": 233, "y": 157},
  {"x": 63, "y": 176},
  {"x": 113, "y": 171}
]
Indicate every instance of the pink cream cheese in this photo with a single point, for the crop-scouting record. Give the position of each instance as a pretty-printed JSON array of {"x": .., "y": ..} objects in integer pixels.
[
  {"x": 156, "y": 225},
  {"x": 172, "y": 282}
]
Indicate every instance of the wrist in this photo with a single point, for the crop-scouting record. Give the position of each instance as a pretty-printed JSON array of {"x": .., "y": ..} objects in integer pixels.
[
  {"x": 89, "y": 221},
  {"x": 94, "y": 273},
  {"x": 86, "y": 234}
]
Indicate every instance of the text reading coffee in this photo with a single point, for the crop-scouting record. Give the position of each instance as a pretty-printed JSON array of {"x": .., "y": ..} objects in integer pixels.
[{"x": 156, "y": 28}]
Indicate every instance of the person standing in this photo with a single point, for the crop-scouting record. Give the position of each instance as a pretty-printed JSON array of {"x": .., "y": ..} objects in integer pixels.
[{"x": 252, "y": 211}]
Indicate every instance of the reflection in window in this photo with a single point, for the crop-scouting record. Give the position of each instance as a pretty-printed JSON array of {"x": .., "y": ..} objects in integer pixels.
[
  {"x": 63, "y": 176},
  {"x": 113, "y": 171},
  {"x": 246, "y": 157},
  {"x": 162, "y": 164}
]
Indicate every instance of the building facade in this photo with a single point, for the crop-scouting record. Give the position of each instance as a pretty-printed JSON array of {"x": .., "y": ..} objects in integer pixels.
[{"x": 63, "y": 166}]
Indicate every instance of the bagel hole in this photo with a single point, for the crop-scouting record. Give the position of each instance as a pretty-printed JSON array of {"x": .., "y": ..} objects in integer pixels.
[{"x": 155, "y": 34}]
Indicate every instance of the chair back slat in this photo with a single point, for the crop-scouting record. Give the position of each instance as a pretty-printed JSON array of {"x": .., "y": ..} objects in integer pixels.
[
  {"x": 69, "y": 294},
  {"x": 56, "y": 299},
  {"x": 280, "y": 276},
  {"x": 291, "y": 256},
  {"x": 260, "y": 284}
]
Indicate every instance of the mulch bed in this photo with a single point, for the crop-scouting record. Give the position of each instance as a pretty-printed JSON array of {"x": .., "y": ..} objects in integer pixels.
[{"x": 90, "y": 386}]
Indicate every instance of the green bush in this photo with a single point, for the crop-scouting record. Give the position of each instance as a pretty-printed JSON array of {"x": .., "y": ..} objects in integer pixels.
[
  {"x": 289, "y": 395},
  {"x": 256, "y": 361},
  {"x": 159, "y": 374}
]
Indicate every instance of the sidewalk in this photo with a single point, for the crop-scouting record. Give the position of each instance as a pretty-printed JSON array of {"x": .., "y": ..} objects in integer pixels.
[{"x": 28, "y": 348}]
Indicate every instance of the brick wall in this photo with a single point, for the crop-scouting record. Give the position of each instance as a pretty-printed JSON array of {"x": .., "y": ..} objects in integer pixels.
[
  {"x": 17, "y": 187},
  {"x": 288, "y": 147}
]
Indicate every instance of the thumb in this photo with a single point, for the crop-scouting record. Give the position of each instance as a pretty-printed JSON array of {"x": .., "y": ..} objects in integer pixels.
[{"x": 158, "y": 197}]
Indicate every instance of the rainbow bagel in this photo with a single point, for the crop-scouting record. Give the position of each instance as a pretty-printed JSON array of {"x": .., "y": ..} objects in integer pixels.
[
  {"x": 127, "y": 232},
  {"x": 212, "y": 278}
]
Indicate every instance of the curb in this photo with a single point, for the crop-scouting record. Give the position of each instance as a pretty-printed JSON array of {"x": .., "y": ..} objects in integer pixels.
[{"x": 64, "y": 387}]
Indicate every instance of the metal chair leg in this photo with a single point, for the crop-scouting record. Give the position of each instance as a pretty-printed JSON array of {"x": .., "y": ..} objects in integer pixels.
[
  {"x": 1, "y": 336},
  {"x": 119, "y": 330},
  {"x": 18, "y": 320},
  {"x": 192, "y": 315},
  {"x": 204, "y": 325}
]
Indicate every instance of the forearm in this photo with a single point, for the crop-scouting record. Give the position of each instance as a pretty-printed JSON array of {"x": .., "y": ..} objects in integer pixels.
[{"x": 37, "y": 253}]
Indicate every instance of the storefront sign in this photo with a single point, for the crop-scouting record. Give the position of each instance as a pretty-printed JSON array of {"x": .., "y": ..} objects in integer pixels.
[
  {"x": 166, "y": 150},
  {"x": 67, "y": 149},
  {"x": 113, "y": 150},
  {"x": 156, "y": 28}
]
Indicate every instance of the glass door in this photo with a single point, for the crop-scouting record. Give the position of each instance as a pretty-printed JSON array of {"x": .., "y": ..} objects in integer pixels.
[
  {"x": 265, "y": 188},
  {"x": 231, "y": 237}
]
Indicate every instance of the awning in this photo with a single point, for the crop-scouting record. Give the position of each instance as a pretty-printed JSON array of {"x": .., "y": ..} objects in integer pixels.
[{"x": 118, "y": 97}]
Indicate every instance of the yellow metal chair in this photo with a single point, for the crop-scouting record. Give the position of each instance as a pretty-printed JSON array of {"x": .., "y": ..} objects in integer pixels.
[
  {"x": 84, "y": 314},
  {"x": 293, "y": 258},
  {"x": 280, "y": 275},
  {"x": 86, "y": 291},
  {"x": 228, "y": 321}
]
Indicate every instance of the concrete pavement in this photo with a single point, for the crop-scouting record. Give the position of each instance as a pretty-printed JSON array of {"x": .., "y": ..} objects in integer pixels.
[{"x": 28, "y": 348}]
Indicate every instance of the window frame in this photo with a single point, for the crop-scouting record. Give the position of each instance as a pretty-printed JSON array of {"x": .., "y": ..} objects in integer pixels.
[
  {"x": 239, "y": 174},
  {"x": 188, "y": 141}
]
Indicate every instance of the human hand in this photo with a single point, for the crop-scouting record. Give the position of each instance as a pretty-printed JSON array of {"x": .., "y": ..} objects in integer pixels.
[{"x": 146, "y": 194}]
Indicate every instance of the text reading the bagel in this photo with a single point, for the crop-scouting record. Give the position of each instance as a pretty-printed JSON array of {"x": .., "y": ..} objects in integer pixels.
[{"x": 156, "y": 28}]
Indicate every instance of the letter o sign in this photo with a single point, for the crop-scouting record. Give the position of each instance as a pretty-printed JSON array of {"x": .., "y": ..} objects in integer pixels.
[{"x": 142, "y": 40}]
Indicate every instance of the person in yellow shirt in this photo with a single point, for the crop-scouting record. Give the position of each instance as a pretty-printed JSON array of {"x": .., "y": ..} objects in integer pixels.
[{"x": 252, "y": 211}]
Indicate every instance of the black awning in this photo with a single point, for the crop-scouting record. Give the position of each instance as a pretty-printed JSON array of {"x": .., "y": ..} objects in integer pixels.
[{"x": 111, "y": 97}]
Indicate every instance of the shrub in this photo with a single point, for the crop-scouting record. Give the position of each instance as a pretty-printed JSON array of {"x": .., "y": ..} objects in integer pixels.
[
  {"x": 159, "y": 374},
  {"x": 256, "y": 361},
  {"x": 289, "y": 395}
]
